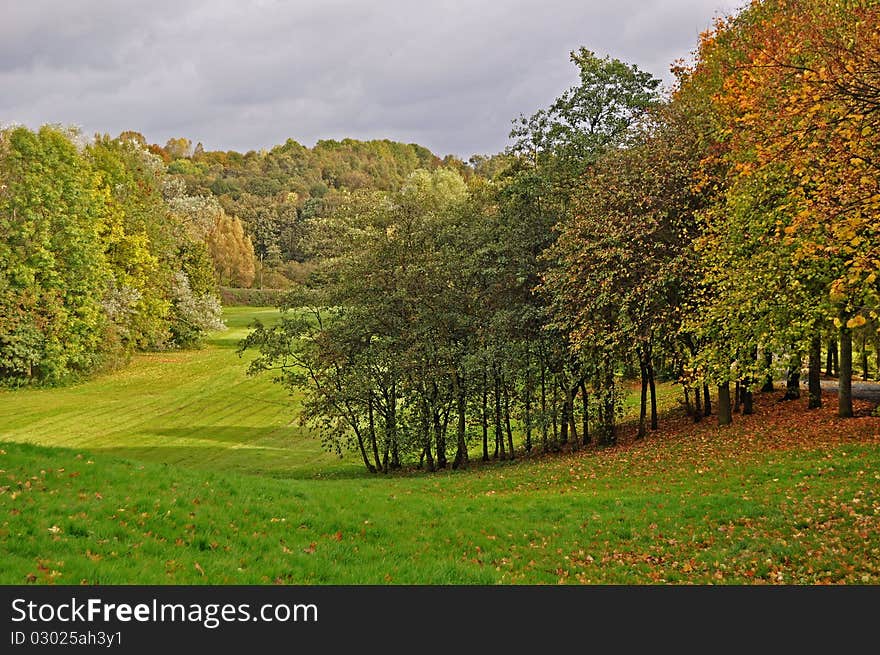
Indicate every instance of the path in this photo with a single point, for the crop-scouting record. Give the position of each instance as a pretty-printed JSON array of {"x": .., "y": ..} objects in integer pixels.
[{"x": 861, "y": 390}]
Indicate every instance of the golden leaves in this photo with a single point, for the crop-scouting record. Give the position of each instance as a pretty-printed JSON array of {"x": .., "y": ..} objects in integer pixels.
[{"x": 856, "y": 321}]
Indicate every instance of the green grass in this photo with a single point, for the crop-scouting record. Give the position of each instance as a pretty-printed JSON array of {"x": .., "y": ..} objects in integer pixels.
[
  {"x": 181, "y": 470},
  {"x": 70, "y": 517},
  {"x": 196, "y": 409}
]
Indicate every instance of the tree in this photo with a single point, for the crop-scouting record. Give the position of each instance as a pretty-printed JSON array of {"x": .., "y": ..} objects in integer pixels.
[
  {"x": 622, "y": 264},
  {"x": 53, "y": 272},
  {"x": 140, "y": 245},
  {"x": 231, "y": 251},
  {"x": 556, "y": 148},
  {"x": 587, "y": 119},
  {"x": 380, "y": 357},
  {"x": 162, "y": 291},
  {"x": 179, "y": 148}
]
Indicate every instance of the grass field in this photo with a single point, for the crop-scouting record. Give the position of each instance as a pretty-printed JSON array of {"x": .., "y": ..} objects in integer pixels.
[
  {"x": 181, "y": 470},
  {"x": 194, "y": 408}
]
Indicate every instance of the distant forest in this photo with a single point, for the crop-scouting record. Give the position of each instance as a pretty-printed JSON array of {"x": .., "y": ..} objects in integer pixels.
[{"x": 275, "y": 192}]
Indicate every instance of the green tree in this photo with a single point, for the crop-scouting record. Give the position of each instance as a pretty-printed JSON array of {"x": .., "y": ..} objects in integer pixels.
[
  {"x": 555, "y": 148},
  {"x": 600, "y": 112},
  {"x": 53, "y": 272},
  {"x": 382, "y": 358}
]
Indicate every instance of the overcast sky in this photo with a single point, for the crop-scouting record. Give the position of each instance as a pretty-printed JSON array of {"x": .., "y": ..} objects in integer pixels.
[{"x": 233, "y": 74}]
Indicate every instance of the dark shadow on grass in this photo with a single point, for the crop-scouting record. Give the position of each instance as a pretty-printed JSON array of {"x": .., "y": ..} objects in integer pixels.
[
  {"x": 266, "y": 463},
  {"x": 259, "y": 462},
  {"x": 226, "y": 341},
  {"x": 246, "y": 436}
]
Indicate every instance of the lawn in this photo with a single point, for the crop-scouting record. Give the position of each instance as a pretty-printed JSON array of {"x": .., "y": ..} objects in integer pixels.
[
  {"x": 196, "y": 409},
  {"x": 181, "y": 470}
]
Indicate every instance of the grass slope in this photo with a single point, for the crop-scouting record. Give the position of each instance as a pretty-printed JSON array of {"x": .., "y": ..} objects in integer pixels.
[
  {"x": 195, "y": 408},
  {"x": 785, "y": 496},
  {"x": 747, "y": 504}
]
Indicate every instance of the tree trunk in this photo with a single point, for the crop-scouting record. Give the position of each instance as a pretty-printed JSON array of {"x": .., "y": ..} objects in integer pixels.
[
  {"x": 440, "y": 439},
  {"x": 510, "y": 450},
  {"x": 643, "y": 401},
  {"x": 793, "y": 379},
  {"x": 608, "y": 434},
  {"x": 564, "y": 419},
  {"x": 707, "y": 401},
  {"x": 426, "y": 435},
  {"x": 461, "y": 453},
  {"x": 554, "y": 413},
  {"x": 499, "y": 436},
  {"x": 815, "y": 375},
  {"x": 363, "y": 451},
  {"x": 571, "y": 392},
  {"x": 485, "y": 417},
  {"x": 747, "y": 400},
  {"x": 737, "y": 396},
  {"x": 544, "y": 444},
  {"x": 768, "y": 364},
  {"x": 836, "y": 360},
  {"x": 439, "y": 429},
  {"x": 688, "y": 407},
  {"x": 528, "y": 405},
  {"x": 432, "y": 466},
  {"x": 698, "y": 405},
  {"x": 395, "y": 455},
  {"x": 653, "y": 388},
  {"x": 844, "y": 385},
  {"x": 373, "y": 441},
  {"x": 877, "y": 357},
  {"x": 586, "y": 418},
  {"x": 865, "y": 375},
  {"x": 746, "y": 385},
  {"x": 391, "y": 431},
  {"x": 829, "y": 357},
  {"x": 725, "y": 417}
]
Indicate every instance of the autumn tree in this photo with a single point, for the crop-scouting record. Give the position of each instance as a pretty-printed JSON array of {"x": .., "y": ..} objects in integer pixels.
[
  {"x": 793, "y": 87},
  {"x": 622, "y": 264},
  {"x": 94, "y": 263},
  {"x": 178, "y": 147},
  {"x": 231, "y": 251}
]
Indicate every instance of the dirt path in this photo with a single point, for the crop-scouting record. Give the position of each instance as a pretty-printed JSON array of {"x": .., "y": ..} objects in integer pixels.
[{"x": 869, "y": 391}]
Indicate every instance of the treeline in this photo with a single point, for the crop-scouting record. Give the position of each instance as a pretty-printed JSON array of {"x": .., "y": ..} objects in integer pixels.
[
  {"x": 102, "y": 254},
  {"x": 719, "y": 237},
  {"x": 276, "y": 192}
]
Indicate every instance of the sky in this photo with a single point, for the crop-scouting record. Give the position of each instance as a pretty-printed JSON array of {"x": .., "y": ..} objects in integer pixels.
[{"x": 244, "y": 75}]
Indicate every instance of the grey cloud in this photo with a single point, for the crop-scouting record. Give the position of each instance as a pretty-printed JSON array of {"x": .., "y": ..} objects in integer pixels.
[{"x": 241, "y": 75}]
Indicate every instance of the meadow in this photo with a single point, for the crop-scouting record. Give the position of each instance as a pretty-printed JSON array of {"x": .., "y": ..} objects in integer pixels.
[
  {"x": 191, "y": 408},
  {"x": 179, "y": 469}
]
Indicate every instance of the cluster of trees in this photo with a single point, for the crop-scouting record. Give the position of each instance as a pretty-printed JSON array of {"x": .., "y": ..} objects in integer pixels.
[
  {"x": 738, "y": 231},
  {"x": 118, "y": 245},
  {"x": 98, "y": 257},
  {"x": 426, "y": 325},
  {"x": 718, "y": 237},
  {"x": 790, "y": 249}
]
